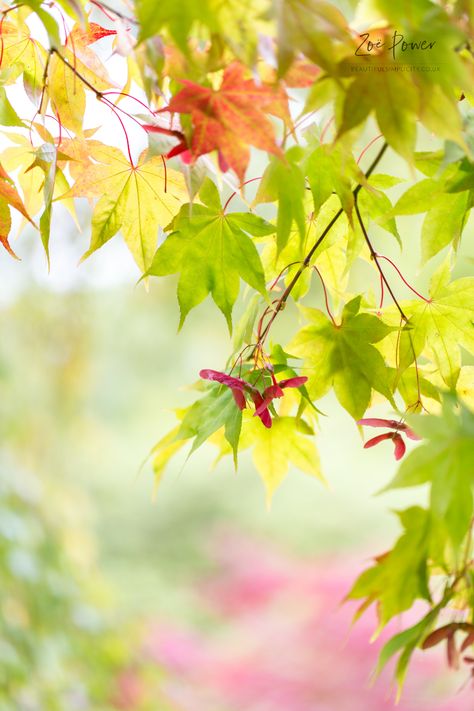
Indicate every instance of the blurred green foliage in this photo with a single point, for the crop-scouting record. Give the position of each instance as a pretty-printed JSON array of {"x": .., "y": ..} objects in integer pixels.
[{"x": 59, "y": 646}]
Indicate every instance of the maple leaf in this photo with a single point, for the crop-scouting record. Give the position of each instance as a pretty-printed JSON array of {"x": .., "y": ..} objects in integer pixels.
[
  {"x": 240, "y": 387},
  {"x": 46, "y": 158},
  {"x": 18, "y": 158},
  {"x": 275, "y": 448},
  {"x": 67, "y": 95},
  {"x": 81, "y": 152},
  {"x": 135, "y": 199},
  {"x": 20, "y": 54},
  {"x": 88, "y": 35},
  {"x": 211, "y": 250},
  {"x": 440, "y": 324},
  {"x": 78, "y": 52},
  {"x": 284, "y": 182},
  {"x": 331, "y": 169},
  {"x": 231, "y": 118},
  {"x": 445, "y": 462},
  {"x": 207, "y": 415},
  {"x": 178, "y": 19},
  {"x": 5, "y": 226},
  {"x": 343, "y": 356},
  {"x": 399, "y": 577},
  {"x": 8, "y": 115},
  {"x": 66, "y": 90},
  {"x": 11, "y": 195},
  {"x": 378, "y": 92},
  {"x": 314, "y": 27},
  {"x": 301, "y": 74}
]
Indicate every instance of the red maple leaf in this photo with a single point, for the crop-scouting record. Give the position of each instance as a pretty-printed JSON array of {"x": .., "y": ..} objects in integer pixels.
[
  {"x": 232, "y": 118},
  {"x": 93, "y": 33}
]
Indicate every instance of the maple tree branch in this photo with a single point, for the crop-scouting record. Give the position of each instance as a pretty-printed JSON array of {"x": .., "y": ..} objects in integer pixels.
[
  {"x": 306, "y": 262},
  {"x": 76, "y": 73},
  {"x": 10, "y": 9},
  {"x": 375, "y": 258},
  {"x": 100, "y": 95}
]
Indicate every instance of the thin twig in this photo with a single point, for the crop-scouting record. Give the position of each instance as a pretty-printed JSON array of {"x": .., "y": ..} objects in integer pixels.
[
  {"x": 404, "y": 317},
  {"x": 375, "y": 258},
  {"x": 103, "y": 6}
]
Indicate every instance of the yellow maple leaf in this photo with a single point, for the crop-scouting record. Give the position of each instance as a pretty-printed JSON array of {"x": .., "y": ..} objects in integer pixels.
[{"x": 135, "y": 199}]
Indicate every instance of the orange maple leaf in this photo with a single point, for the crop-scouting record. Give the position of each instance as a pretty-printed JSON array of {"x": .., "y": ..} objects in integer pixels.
[{"x": 232, "y": 118}]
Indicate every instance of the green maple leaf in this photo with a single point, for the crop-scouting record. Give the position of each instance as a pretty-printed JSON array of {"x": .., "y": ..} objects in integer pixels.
[
  {"x": 330, "y": 169},
  {"x": 215, "y": 410},
  {"x": 136, "y": 200},
  {"x": 399, "y": 577},
  {"x": 428, "y": 96},
  {"x": 377, "y": 207},
  {"x": 446, "y": 201},
  {"x": 406, "y": 642},
  {"x": 463, "y": 179},
  {"x": 8, "y": 115},
  {"x": 379, "y": 92},
  {"x": 283, "y": 182},
  {"x": 46, "y": 158},
  {"x": 444, "y": 223},
  {"x": 211, "y": 251},
  {"x": 445, "y": 461},
  {"x": 314, "y": 27},
  {"x": 442, "y": 324},
  {"x": 342, "y": 356},
  {"x": 179, "y": 19}
]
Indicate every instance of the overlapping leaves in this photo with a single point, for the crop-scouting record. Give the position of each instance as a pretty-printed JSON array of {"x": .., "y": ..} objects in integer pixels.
[{"x": 441, "y": 325}]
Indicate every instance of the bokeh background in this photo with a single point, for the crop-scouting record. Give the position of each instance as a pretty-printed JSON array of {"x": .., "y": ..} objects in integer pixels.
[{"x": 199, "y": 598}]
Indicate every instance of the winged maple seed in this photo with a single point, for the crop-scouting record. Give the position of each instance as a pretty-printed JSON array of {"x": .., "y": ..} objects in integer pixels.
[
  {"x": 180, "y": 149},
  {"x": 397, "y": 427},
  {"x": 447, "y": 632},
  {"x": 262, "y": 400}
]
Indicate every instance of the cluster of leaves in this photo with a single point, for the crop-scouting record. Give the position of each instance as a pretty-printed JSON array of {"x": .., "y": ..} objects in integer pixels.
[{"x": 208, "y": 83}]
